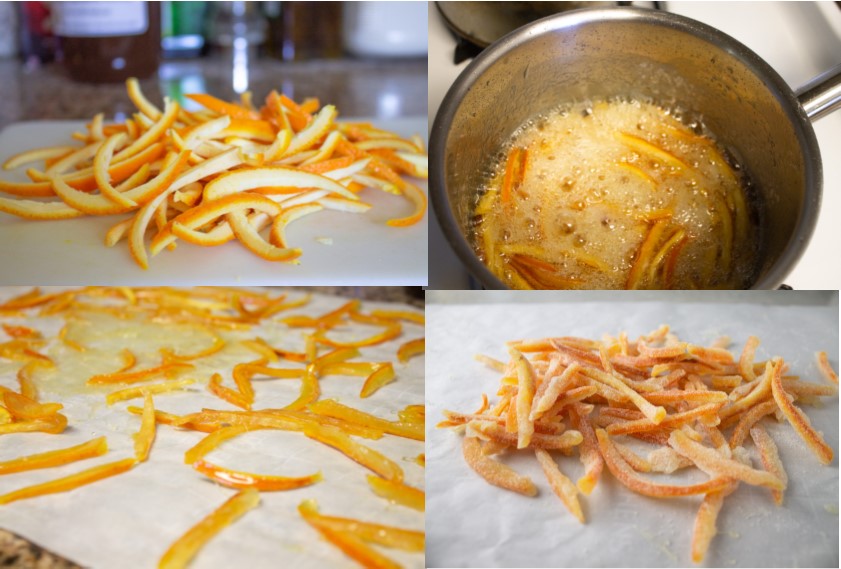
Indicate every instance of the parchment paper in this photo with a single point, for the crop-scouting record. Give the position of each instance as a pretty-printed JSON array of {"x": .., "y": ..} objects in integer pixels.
[
  {"x": 130, "y": 520},
  {"x": 471, "y": 523}
]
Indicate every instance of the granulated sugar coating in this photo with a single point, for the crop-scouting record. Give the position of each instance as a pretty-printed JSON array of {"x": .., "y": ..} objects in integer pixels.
[{"x": 614, "y": 195}]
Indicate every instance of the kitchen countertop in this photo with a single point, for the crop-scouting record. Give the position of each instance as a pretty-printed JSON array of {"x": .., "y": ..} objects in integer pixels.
[{"x": 359, "y": 88}]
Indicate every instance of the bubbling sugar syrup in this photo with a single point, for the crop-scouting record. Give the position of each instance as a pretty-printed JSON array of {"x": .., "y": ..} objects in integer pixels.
[{"x": 617, "y": 194}]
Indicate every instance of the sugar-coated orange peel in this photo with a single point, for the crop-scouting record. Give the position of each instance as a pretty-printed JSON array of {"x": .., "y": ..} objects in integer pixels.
[
  {"x": 165, "y": 163},
  {"x": 186, "y": 547},
  {"x": 495, "y": 472},
  {"x": 561, "y": 485},
  {"x": 694, "y": 406}
]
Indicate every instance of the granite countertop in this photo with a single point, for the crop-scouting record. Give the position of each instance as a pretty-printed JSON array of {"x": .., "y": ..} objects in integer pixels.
[{"x": 358, "y": 88}]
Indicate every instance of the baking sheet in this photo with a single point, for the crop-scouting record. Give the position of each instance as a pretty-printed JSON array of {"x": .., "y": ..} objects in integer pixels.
[
  {"x": 473, "y": 524},
  {"x": 130, "y": 520},
  {"x": 364, "y": 251}
]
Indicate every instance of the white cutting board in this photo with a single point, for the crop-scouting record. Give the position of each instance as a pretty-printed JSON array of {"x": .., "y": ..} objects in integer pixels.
[{"x": 365, "y": 251}]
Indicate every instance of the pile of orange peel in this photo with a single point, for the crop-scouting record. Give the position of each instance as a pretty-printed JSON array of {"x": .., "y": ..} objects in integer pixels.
[
  {"x": 217, "y": 311},
  {"x": 226, "y": 172},
  {"x": 561, "y": 394}
]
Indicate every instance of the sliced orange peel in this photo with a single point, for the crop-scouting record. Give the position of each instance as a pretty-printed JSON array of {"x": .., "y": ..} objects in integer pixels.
[{"x": 280, "y": 146}]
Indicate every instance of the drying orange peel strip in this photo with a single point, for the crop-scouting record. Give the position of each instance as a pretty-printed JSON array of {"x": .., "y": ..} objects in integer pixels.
[
  {"x": 676, "y": 398},
  {"x": 188, "y": 545},
  {"x": 180, "y": 167},
  {"x": 214, "y": 312}
]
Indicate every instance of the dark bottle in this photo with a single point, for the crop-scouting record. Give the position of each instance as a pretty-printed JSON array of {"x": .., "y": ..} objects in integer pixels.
[
  {"x": 108, "y": 42},
  {"x": 311, "y": 30}
]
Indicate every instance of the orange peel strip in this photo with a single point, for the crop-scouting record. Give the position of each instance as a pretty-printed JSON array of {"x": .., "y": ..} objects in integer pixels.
[
  {"x": 418, "y": 198},
  {"x": 366, "y": 456},
  {"x": 332, "y": 408},
  {"x": 655, "y": 414},
  {"x": 50, "y": 459},
  {"x": 826, "y": 369},
  {"x": 800, "y": 422},
  {"x": 382, "y": 375},
  {"x": 561, "y": 485},
  {"x": 22, "y": 408},
  {"x": 268, "y": 176},
  {"x": 746, "y": 359},
  {"x": 353, "y": 546},
  {"x": 398, "y": 492},
  {"x": 630, "y": 479},
  {"x": 232, "y": 396},
  {"x": 222, "y": 107},
  {"x": 392, "y": 330},
  {"x": 141, "y": 375},
  {"x": 705, "y": 530},
  {"x": 54, "y": 425},
  {"x": 411, "y": 349},
  {"x": 591, "y": 458},
  {"x": 142, "y": 390},
  {"x": 525, "y": 396},
  {"x": 747, "y": 421},
  {"x": 710, "y": 461},
  {"x": 310, "y": 390},
  {"x": 188, "y": 545},
  {"x": 242, "y": 480},
  {"x": 405, "y": 315},
  {"x": 212, "y": 441},
  {"x": 770, "y": 458},
  {"x": 642, "y": 425},
  {"x": 71, "y": 482},
  {"x": 36, "y": 155},
  {"x": 495, "y": 472},
  {"x": 387, "y": 536},
  {"x": 146, "y": 435}
]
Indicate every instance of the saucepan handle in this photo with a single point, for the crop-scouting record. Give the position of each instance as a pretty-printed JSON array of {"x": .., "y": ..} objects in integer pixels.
[{"x": 821, "y": 95}]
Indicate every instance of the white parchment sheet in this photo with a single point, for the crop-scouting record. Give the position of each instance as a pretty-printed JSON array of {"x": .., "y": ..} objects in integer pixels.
[
  {"x": 471, "y": 523},
  {"x": 131, "y": 519}
]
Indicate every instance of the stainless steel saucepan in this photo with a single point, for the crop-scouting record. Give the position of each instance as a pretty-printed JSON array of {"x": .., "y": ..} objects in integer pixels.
[{"x": 631, "y": 52}]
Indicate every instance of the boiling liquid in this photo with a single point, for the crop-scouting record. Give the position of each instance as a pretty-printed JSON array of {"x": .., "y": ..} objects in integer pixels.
[{"x": 616, "y": 195}]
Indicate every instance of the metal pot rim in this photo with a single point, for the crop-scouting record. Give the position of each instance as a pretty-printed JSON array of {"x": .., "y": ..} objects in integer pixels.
[{"x": 780, "y": 90}]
